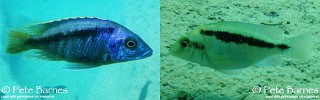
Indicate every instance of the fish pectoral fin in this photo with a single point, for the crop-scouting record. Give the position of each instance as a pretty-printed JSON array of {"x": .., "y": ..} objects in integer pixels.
[
  {"x": 78, "y": 66},
  {"x": 42, "y": 55}
]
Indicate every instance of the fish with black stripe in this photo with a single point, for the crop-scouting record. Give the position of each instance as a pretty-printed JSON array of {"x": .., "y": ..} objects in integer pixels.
[
  {"x": 87, "y": 41},
  {"x": 230, "y": 46}
]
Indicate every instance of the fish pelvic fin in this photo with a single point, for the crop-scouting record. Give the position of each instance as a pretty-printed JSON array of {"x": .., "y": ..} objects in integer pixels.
[
  {"x": 17, "y": 42},
  {"x": 300, "y": 47}
]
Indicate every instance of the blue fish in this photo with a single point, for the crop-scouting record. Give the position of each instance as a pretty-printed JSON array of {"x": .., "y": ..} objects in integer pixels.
[{"x": 88, "y": 41}]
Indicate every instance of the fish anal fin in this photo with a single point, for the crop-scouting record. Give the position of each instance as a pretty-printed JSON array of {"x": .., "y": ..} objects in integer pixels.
[
  {"x": 274, "y": 60},
  {"x": 79, "y": 66},
  {"x": 232, "y": 72},
  {"x": 42, "y": 55}
]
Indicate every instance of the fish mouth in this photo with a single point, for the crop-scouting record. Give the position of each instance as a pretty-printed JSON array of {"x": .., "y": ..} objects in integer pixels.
[{"x": 147, "y": 53}]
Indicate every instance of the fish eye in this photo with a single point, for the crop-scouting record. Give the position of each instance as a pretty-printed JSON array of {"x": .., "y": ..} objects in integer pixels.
[
  {"x": 130, "y": 43},
  {"x": 184, "y": 43}
]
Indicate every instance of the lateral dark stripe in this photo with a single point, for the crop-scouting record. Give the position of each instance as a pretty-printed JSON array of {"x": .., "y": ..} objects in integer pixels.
[
  {"x": 76, "y": 34},
  {"x": 283, "y": 46},
  {"x": 239, "y": 39}
]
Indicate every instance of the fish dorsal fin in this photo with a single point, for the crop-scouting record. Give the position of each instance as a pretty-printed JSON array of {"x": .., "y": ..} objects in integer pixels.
[
  {"x": 35, "y": 29},
  {"x": 262, "y": 32},
  {"x": 61, "y": 21},
  {"x": 40, "y": 28}
]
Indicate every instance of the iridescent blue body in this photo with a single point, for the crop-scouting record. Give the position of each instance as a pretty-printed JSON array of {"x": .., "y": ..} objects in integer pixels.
[{"x": 89, "y": 41}]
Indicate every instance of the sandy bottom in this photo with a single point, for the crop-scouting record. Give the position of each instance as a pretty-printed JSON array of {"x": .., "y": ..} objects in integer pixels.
[{"x": 181, "y": 79}]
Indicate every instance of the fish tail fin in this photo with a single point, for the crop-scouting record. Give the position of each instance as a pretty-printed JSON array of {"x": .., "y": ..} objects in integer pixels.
[
  {"x": 17, "y": 42},
  {"x": 300, "y": 47}
]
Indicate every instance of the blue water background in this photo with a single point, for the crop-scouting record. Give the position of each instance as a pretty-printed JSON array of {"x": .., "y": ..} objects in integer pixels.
[{"x": 119, "y": 81}]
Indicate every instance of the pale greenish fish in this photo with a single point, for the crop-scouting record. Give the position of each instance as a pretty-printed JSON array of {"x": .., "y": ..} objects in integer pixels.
[{"x": 227, "y": 46}]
